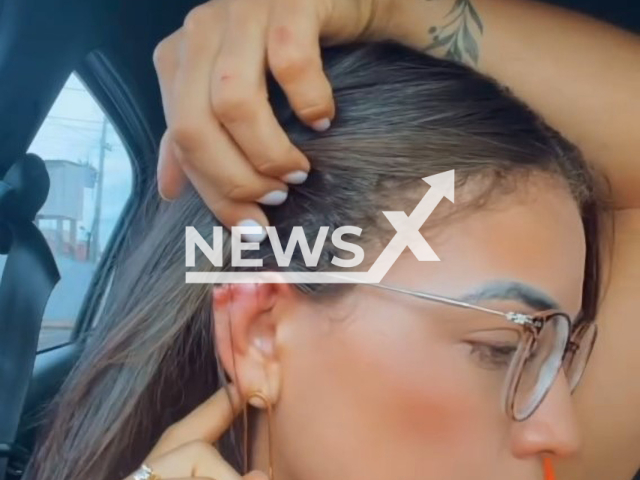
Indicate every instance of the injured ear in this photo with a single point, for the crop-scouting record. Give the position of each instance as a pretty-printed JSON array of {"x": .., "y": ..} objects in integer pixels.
[{"x": 245, "y": 331}]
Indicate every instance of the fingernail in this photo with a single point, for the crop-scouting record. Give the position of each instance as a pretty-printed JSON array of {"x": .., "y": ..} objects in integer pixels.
[
  {"x": 321, "y": 125},
  {"x": 295, "y": 178},
  {"x": 257, "y": 233},
  {"x": 277, "y": 197}
]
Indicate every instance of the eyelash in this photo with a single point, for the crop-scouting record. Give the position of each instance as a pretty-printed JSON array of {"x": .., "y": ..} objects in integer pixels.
[{"x": 493, "y": 356}]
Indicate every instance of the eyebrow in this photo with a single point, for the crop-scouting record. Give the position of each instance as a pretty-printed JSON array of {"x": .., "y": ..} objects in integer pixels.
[{"x": 512, "y": 290}]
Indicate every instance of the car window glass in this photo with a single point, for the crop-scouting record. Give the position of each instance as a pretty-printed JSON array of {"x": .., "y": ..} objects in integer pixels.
[{"x": 91, "y": 179}]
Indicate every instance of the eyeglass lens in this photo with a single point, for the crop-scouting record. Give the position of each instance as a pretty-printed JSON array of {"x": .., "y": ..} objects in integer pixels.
[
  {"x": 577, "y": 358},
  {"x": 541, "y": 361}
]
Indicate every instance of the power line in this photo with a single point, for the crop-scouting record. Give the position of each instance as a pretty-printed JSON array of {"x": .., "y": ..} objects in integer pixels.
[
  {"x": 79, "y": 131},
  {"x": 73, "y": 89},
  {"x": 55, "y": 117}
]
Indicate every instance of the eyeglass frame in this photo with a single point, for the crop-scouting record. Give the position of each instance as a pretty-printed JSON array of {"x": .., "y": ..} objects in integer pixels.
[{"x": 531, "y": 323}]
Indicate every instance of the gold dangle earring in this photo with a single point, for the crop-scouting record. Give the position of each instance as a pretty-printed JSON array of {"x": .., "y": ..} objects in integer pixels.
[{"x": 266, "y": 401}]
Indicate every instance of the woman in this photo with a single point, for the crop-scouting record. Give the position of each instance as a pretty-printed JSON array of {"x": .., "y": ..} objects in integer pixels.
[
  {"x": 363, "y": 381},
  {"x": 581, "y": 75}
]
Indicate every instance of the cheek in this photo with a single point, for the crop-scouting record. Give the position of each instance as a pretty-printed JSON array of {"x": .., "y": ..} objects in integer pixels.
[
  {"x": 420, "y": 385},
  {"x": 398, "y": 394}
]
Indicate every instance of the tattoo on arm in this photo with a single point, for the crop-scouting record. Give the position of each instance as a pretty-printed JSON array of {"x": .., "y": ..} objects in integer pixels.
[{"x": 456, "y": 36}]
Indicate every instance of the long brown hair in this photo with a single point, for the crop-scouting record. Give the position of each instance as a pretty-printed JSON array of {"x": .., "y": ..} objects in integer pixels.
[{"x": 401, "y": 116}]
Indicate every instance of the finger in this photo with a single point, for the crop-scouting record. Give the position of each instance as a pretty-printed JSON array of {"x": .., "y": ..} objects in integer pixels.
[
  {"x": 239, "y": 95},
  {"x": 165, "y": 61},
  {"x": 207, "y": 152},
  {"x": 195, "y": 459},
  {"x": 232, "y": 213},
  {"x": 253, "y": 475},
  {"x": 171, "y": 178},
  {"x": 204, "y": 149},
  {"x": 206, "y": 423},
  {"x": 293, "y": 52}
]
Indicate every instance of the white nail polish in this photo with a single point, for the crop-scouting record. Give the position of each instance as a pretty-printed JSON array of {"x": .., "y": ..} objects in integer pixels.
[
  {"x": 254, "y": 235},
  {"x": 277, "y": 197},
  {"x": 321, "y": 125},
  {"x": 295, "y": 178}
]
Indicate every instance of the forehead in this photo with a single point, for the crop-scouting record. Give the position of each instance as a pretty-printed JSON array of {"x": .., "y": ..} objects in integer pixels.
[{"x": 533, "y": 236}]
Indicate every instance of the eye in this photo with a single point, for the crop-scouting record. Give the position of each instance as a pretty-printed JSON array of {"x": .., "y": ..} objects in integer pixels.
[{"x": 493, "y": 356}]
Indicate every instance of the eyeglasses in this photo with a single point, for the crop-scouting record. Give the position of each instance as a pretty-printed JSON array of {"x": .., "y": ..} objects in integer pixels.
[{"x": 548, "y": 344}]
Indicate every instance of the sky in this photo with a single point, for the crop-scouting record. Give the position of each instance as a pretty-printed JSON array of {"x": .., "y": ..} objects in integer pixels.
[{"x": 72, "y": 132}]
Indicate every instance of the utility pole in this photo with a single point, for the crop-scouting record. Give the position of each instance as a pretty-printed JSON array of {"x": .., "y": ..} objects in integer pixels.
[{"x": 97, "y": 212}]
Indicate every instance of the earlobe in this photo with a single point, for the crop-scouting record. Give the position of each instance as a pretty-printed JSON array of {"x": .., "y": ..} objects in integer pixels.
[{"x": 245, "y": 333}]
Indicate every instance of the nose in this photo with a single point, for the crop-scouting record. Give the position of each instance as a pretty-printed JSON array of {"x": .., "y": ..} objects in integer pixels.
[{"x": 552, "y": 429}]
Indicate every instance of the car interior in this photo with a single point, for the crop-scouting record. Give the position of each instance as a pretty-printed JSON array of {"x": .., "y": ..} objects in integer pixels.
[{"x": 80, "y": 121}]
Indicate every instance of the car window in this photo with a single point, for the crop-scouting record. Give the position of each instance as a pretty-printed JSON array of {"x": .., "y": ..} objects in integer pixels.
[{"x": 91, "y": 180}]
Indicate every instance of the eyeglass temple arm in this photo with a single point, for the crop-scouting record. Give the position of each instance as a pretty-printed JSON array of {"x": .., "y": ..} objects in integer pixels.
[
  {"x": 438, "y": 299},
  {"x": 513, "y": 317}
]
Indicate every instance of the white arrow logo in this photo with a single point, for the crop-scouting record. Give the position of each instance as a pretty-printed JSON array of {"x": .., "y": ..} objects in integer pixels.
[{"x": 408, "y": 228}]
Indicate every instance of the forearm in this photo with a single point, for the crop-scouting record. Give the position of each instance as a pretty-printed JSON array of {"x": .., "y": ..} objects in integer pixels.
[{"x": 581, "y": 75}]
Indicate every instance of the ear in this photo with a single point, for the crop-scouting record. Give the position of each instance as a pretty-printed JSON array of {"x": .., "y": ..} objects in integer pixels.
[{"x": 245, "y": 325}]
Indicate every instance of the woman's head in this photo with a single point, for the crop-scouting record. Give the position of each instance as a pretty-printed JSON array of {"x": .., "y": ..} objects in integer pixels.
[{"x": 365, "y": 383}]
